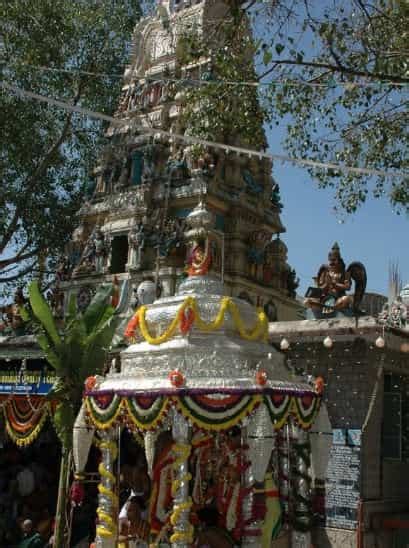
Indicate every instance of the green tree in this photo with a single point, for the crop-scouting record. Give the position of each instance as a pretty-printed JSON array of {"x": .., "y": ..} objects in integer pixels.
[
  {"x": 335, "y": 74},
  {"x": 53, "y": 48},
  {"x": 76, "y": 350}
]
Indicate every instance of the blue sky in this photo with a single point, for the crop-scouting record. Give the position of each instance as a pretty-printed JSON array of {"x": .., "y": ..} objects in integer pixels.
[{"x": 375, "y": 235}]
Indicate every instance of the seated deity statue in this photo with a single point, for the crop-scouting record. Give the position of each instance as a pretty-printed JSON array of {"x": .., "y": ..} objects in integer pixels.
[
  {"x": 199, "y": 260},
  {"x": 333, "y": 282}
]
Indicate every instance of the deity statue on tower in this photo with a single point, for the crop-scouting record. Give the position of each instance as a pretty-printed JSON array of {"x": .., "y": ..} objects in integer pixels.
[
  {"x": 333, "y": 281},
  {"x": 199, "y": 258},
  {"x": 136, "y": 241}
]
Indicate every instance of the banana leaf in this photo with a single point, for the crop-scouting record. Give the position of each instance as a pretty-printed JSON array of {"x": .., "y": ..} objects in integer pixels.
[
  {"x": 96, "y": 351},
  {"x": 63, "y": 420},
  {"x": 97, "y": 307},
  {"x": 71, "y": 310},
  {"x": 51, "y": 356},
  {"x": 42, "y": 312}
]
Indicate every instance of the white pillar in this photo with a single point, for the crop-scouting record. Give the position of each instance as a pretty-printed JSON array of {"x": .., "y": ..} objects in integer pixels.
[{"x": 259, "y": 437}]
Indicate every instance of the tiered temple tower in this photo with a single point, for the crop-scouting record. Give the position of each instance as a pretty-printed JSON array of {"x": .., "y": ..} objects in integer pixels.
[{"x": 147, "y": 182}]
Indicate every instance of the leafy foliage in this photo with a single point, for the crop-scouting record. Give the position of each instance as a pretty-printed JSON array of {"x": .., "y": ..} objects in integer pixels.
[
  {"x": 76, "y": 351},
  {"x": 334, "y": 73},
  {"x": 214, "y": 111},
  {"x": 46, "y": 154},
  {"x": 355, "y": 111}
]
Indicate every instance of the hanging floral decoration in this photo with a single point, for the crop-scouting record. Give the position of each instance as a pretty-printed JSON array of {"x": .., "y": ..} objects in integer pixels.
[
  {"x": 176, "y": 378},
  {"x": 188, "y": 316},
  {"x": 146, "y": 412},
  {"x": 90, "y": 383},
  {"x": 133, "y": 324},
  {"x": 319, "y": 385},
  {"x": 305, "y": 409},
  {"x": 104, "y": 410},
  {"x": 211, "y": 412},
  {"x": 261, "y": 377},
  {"x": 24, "y": 417},
  {"x": 77, "y": 493},
  {"x": 186, "y": 320},
  {"x": 216, "y": 411}
]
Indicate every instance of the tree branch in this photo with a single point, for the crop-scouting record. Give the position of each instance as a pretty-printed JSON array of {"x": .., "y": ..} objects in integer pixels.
[
  {"x": 19, "y": 274},
  {"x": 8, "y": 234},
  {"x": 338, "y": 69},
  {"x": 18, "y": 258},
  {"x": 45, "y": 162}
]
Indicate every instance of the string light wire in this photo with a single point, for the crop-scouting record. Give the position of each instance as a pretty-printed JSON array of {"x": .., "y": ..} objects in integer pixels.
[
  {"x": 234, "y": 83},
  {"x": 197, "y": 141}
]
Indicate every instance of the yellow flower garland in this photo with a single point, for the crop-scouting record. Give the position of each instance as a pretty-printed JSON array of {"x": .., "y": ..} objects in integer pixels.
[
  {"x": 177, "y": 482},
  {"x": 258, "y": 331},
  {"x": 108, "y": 526},
  {"x": 218, "y": 427},
  {"x": 25, "y": 441},
  {"x": 103, "y": 425},
  {"x": 185, "y": 536},
  {"x": 182, "y": 452}
]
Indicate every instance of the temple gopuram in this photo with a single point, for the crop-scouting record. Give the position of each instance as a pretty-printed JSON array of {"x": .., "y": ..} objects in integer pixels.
[
  {"x": 132, "y": 222},
  {"x": 223, "y": 417}
]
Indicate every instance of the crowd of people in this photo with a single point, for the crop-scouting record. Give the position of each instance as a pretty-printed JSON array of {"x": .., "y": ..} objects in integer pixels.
[
  {"x": 28, "y": 492},
  {"x": 29, "y": 487}
]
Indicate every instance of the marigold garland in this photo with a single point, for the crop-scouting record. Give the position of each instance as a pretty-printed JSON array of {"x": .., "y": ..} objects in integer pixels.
[
  {"x": 188, "y": 315},
  {"x": 100, "y": 424},
  {"x": 25, "y": 439},
  {"x": 182, "y": 452},
  {"x": 24, "y": 428},
  {"x": 178, "y": 482},
  {"x": 218, "y": 419},
  {"x": 186, "y": 536},
  {"x": 107, "y": 528}
]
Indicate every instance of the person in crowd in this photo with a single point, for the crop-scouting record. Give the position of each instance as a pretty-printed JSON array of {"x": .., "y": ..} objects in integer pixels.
[
  {"x": 31, "y": 538},
  {"x": 135, "y": 483},
  {"x": 134, "y": 529}
]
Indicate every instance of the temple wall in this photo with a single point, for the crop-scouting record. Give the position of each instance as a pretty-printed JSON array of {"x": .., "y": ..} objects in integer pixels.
[{"x": 353, "y": 370}]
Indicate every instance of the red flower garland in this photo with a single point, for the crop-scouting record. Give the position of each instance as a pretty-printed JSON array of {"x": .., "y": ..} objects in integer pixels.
[
  {"x": 130, "y": 331},
  {"x": 90, "y": 383},
  {"x": 77, "y": 493},
  {"x": 186, "y": 320},
  {"x": 261, "y": 377},
  {"x": 319, "y": 385}
]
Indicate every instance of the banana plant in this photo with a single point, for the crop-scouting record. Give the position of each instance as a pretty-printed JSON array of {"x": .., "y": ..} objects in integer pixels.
[{"x": 75, "y": 351}]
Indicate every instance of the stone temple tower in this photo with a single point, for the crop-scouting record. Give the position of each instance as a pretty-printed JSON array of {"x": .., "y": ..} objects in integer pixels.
[{"x": 149, "y": 179}]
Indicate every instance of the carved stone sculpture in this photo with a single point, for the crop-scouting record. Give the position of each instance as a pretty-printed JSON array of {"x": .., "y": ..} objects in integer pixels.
[
  {"x": 136, "y": 240},
  {"x": 333, "y": 281}
]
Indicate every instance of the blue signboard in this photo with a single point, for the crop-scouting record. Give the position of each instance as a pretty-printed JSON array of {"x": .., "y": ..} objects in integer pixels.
[{"x": 35, "y": 383}]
